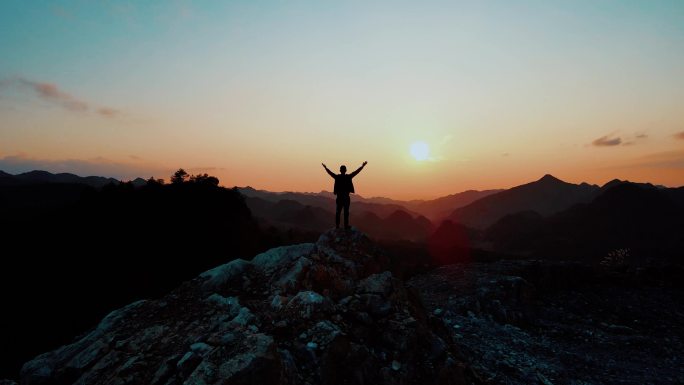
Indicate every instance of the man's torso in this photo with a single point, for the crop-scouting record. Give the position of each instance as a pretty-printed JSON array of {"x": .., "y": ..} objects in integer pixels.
[{"x": 343, "y": 185}]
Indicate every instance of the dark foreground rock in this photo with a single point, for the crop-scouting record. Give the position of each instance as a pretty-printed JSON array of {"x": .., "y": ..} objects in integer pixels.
[
  {"x": 306, "y": 314},
  {"x": 536, "y": 322}
]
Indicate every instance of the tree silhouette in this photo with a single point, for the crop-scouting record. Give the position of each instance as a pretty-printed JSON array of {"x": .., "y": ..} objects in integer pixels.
[
  {"x": 179, "y": 176},
  {"x": 155, "y": 182},
  {"x": 205, "y": 179}
]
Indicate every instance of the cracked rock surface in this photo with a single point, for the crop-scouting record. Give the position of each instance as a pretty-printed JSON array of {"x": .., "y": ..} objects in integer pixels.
[
  {"x": 542, "y": 322},
  {"x": 326, "y": 312}
]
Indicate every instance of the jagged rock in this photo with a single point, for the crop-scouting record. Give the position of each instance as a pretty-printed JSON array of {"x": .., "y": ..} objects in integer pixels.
[
  {"x": 224, "y": 274},
  {"x": 231, "y": 304},
  {"x": 188, "y": 363},
  {"x": 277, "y": 258},
  {"x": 243, "y": 318},
  {"x": 307, "y": 304},
  {"x": 323, "y": 333},
  {"x": 376, "y": 284},
  {"x": 63, "y": 364},
  {"x": 327, "y": 313},
  {"x": 376, "y": 305},
  {"x": 531, "y": 322},
  {"x": 277, "y": 302}
]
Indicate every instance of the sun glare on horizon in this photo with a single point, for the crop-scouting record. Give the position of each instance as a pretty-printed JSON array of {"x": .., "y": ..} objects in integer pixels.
[{"x": 420, "y": 151}]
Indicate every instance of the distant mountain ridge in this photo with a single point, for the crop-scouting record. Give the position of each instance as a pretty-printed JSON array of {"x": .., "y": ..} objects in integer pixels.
[
  {"x": 324, "y": 200},
  {"x": 393, "y": 219},
  {"x": 545, "y": 196},
  {"x": 40, "y": 176},
  {"x": 374, "y": 219},
  {"x": 434, "y": 209},
  {"x": 646, "y": 220},
  {"x": 438, "y": 208},
  {"x": 382, "y": 218}
]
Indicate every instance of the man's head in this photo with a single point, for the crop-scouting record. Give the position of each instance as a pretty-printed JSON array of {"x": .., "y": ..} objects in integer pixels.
[{"x": 343, "y": 169}]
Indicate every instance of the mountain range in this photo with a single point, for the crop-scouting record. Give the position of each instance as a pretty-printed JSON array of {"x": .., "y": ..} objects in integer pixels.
[
  {"x": 433, "y": 209},
  {"x": 547, "y": 218},
  {"x": 645, "y": 221},
  {"x": 545, "y": 196},
  {"x": 488, "y": 215},
  {"x": 66, "y": 234},
  {"x": 39, "y": 176}
]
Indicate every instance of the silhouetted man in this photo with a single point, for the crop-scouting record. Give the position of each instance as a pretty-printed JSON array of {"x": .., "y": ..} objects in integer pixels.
[{"x": 343, "y": 186}]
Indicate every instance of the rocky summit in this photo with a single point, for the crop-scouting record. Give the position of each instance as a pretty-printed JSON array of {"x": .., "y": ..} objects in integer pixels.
[{"x": 325, "y": 312}]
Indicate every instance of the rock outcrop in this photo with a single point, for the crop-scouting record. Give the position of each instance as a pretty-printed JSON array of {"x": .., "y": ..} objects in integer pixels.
[
  {"x": 327, "y": 313},
  {"x": 543, "y": 322}
]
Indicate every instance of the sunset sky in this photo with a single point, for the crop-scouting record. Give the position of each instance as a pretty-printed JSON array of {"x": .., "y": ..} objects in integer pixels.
[{"x": 261, "y": 92}]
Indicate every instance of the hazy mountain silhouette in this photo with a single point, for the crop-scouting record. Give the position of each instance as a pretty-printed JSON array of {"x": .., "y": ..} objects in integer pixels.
[
  {"x": 676, "y": 194},
  {"x": 618, "y": 182},
  {"x": 648, "y": 221},
  {"x": 440, "y": 208},
  {"x": 434, "y": 209},
  {"x": 35, "y": 191},
  {"x": 324, "y": 200},
  {"x": 400, "y": 225},
  {"x": 39, "y": 176},
  {"x": 545, "y": 196},
  {"x": 139, "y": 182},
  {"x": 288, "y": 213},
  {"x": 307, "y": 217}
]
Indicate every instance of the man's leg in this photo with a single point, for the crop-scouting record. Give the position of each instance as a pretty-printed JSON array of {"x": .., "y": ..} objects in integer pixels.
[
  {"x": 337, "y": 212},
  {"x": 346, "y": 212}
]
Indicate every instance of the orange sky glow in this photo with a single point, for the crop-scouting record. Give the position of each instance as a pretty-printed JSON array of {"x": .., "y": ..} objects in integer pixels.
[{"x": 260, "y": 94}]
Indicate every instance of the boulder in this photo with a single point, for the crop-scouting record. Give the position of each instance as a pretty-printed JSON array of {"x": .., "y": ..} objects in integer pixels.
[{"x": 326, "y": 313}]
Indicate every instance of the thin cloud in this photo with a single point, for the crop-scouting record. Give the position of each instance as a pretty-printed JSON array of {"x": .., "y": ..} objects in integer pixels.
[
  {"x": 611, "y": 140},
  {"x": 54, "y": 95},
  {"x": 679, "y": 135},
  {"x": 108, "y": 112},
  {"x": 607, "y": 141}
]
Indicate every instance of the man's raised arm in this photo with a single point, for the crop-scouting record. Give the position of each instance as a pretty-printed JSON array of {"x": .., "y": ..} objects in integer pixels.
[
  {"x": 358, "y": 170},
  {"x": 328, "y": 171}
]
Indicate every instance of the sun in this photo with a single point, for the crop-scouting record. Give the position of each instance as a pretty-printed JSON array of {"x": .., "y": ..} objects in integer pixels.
[{"x": 420, "y": 151}]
